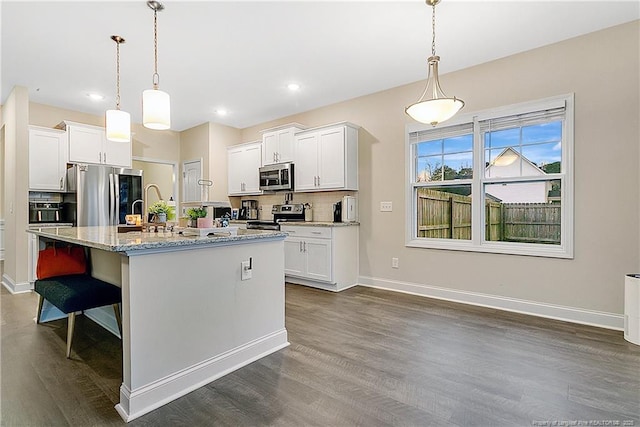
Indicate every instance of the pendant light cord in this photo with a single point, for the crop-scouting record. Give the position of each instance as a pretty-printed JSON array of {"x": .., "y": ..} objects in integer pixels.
[
  {"x": 156, "y": 76},
  {"x": 433, "y": 31},
  {"x": 117, "y": 75}
]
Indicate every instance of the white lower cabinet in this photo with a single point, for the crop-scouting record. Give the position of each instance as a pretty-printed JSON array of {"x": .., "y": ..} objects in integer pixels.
[{"x": 322, "y": 257}]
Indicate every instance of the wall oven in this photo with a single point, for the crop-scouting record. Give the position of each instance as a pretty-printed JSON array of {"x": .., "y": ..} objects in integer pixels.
[{"x": 278, "y": 177}]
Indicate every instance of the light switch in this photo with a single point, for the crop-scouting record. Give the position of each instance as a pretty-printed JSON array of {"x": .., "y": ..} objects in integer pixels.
[
  {"x": 246, "y": 270},
  {"x": 386, "y": 206}
]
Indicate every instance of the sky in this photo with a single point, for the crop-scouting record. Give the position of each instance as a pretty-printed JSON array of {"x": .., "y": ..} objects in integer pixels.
[{"x": 539, "y": 143}]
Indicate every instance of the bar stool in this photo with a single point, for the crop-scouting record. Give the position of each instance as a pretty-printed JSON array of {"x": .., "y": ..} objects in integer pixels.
[{"x": 77, "y": 292}]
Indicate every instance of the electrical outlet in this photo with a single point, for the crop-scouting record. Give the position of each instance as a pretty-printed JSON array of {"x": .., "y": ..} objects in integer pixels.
[
  {"x": 245, "y": 270},
  {"x": 395, "y": 263},
  {"x": 386, "y": 206}
]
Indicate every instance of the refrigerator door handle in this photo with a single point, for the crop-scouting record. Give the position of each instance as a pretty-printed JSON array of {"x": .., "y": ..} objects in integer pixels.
[
  {"x": 116, "y": 199},
  {"x": 112, "y": 202}
]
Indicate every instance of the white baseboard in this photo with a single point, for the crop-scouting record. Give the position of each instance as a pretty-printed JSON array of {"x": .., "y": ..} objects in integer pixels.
[
  {"x": 568, "y": 314},
  {"x": 318, "y": 285},
  {"x": 16, "y": 288},
  {"x": 135, "y": 403}
]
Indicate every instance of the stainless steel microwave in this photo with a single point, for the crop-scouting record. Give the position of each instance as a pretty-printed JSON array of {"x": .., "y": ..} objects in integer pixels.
[{"x": 277, "y": 177}]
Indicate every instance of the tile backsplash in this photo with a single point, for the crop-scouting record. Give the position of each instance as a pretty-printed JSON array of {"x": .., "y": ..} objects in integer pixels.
[{"x": 321, "y": 202}]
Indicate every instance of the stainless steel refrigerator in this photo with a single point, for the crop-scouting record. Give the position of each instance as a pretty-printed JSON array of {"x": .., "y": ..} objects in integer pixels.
[{"x": 101, "y": 195}]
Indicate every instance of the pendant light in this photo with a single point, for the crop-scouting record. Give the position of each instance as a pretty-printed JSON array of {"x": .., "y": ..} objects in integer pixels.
[
  {"x": 434, "y": 107},
  {"x": 156, "y": 105},
  {"x": 118, "y": 122}
]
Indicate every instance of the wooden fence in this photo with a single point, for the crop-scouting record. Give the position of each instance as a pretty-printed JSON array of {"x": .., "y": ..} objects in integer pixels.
[{"x": 448, "y": 216}]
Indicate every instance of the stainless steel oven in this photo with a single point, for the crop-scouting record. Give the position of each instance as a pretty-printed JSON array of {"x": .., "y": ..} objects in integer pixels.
[
  {"x": 278, "y": 177},
  {"x": 281, "y": 213},
  {"x": 43, "y": 212}
]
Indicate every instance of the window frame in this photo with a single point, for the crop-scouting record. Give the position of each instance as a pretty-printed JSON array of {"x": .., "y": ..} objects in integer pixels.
[{"x": 477, "y": 242}]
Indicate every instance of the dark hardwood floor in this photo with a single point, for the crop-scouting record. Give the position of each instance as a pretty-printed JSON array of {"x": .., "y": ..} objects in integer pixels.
[{"x": 362, "y": 357}]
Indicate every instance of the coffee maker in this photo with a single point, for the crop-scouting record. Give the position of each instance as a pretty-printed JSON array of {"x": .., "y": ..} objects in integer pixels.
[
  {"x": 248, "y": 209},
  {"x": 337, "y": 212}
]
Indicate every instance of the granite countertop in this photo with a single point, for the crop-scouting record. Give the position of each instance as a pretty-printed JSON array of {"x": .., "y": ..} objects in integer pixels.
[
  {"x": 320, "y": 223},
  {"x": 108, "y": 238},
  {"x": 50, "y": 224}
]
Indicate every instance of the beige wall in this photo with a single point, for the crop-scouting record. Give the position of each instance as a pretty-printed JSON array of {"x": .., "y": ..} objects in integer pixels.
[
  {"x": 220, "y": 137},
  {"x": 160, "y": 174},
  {"x": 606, "y": 173},
  {"x": 15, "y": 120}
]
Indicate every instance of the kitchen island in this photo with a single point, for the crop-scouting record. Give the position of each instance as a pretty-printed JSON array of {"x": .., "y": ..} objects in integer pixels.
[{"x": 190, "y": 314}]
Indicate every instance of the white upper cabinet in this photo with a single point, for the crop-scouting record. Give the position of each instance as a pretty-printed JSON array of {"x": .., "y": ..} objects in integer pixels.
[
  {"x": 89, "y": 144},
  {"x": 326, "y": 158},
  {"x": 277, "y": 144},
  {"x": 47, "y": 159},
  {"x": 244, "y": 160}
]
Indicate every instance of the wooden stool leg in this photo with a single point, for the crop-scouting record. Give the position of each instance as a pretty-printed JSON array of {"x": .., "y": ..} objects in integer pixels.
[
  {"x": 40, "y": 303},
  {"x": 71, "y": 320},
  {"x": 116, "y": 310}
]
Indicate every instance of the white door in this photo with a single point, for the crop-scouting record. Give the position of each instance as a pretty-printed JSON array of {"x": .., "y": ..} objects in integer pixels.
[
  {"x": 306, "y": 167},
  {"x": 191, "y": 174},
  {"x": 252, "y": 162},
  {"x": 85, "y": 144},
  {"x": 331, "y": 158},
  {"x": 45, "y": 164},
  {"x": 270, "y": 147},
  {"x": 117, "y": 153},
  {"x": 285, "y": 145},
  {"x": 294, "y": 257},
  {"x": 318, "y": 252}
]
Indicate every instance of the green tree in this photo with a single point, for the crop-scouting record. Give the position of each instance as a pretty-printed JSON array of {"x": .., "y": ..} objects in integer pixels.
[
  {"x": 448, "y": 172},
  {"x": 551, "y": 167}
]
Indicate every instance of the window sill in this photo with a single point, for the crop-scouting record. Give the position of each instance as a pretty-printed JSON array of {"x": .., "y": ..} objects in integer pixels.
[{"x": 493, "y": 247}]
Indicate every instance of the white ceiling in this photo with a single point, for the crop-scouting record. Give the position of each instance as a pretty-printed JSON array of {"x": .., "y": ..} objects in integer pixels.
[{"x": 240, "y": 55}]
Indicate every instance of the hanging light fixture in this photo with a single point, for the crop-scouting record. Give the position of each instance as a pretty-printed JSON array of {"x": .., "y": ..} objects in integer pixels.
[
  {"x": 118, "y": 122},
  {"x": 434, "y": 107},
  {"x": 156, "y": 105}
]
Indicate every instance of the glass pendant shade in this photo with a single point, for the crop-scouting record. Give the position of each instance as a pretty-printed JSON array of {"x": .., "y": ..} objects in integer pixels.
[
  {"x": 118, "y": 125},
  {"x": 156, "y": 109},
  {"x": 434, "y": 107}
]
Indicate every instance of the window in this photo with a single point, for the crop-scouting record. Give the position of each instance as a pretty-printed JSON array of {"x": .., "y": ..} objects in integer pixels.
[{"x": 498, "y": 181}]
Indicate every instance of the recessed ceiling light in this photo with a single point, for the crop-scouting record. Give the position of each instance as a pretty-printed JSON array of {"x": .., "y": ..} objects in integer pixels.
[
  {"x": 95, "y": 96},
  {"x": 221, "y": 112},
  {"x": 293, "y": 87}
]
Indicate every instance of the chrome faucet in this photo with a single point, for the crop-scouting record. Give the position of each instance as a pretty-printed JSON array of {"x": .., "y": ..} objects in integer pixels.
[
  {"x": 146, "y": 198},
  {"x": 133, "y": 206}
]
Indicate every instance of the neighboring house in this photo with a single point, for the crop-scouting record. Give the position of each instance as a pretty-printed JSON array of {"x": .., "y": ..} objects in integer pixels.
[{"x": 509, "y": 163}]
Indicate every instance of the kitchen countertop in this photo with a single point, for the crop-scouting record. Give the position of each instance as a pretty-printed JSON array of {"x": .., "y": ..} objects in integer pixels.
[
  {"x": 304, "y": 223},
  {"x": 320, "y": 223},
  {"x": 50, "y": 224},
  {"x": 108, "y": 238}
]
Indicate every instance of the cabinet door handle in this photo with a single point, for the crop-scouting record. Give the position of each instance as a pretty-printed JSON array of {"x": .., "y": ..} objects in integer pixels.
[
  {"x": 105, "y": 157},
  {"x": 300, "y": 245},
  {"x": 61, "y": 183},
  {"x": 316, "y": 232},
  {"x": 100, "y": 155},
  {"x": 304, "y": 245}
]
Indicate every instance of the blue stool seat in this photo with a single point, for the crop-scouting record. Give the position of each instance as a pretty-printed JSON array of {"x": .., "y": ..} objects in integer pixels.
[{"x": 77, "y": 292}]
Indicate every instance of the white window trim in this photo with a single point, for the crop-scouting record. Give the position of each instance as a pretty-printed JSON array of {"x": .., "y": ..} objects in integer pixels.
[{"x": 476, "y": 244}]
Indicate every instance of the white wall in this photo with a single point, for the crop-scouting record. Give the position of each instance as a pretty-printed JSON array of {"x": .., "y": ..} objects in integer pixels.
[{"x": 606, "y": 139}]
